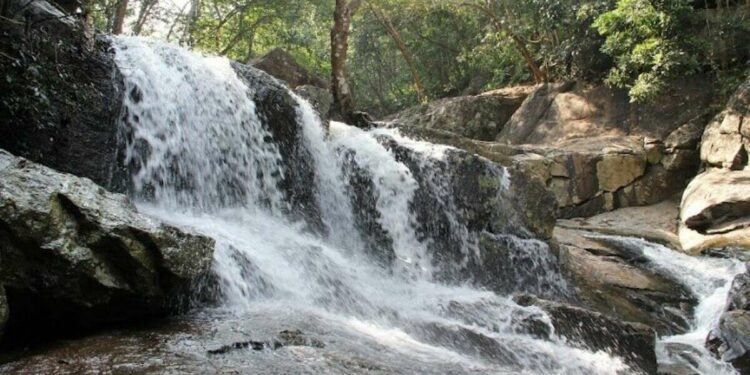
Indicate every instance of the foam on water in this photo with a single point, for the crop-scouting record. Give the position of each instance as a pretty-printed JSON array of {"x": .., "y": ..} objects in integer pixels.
[{"x": 204, "y": 160}]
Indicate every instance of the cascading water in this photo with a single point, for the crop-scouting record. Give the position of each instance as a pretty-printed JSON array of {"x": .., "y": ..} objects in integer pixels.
[
  {"x": 709, "y": 279},
  {"x": 204, "y": 159}
]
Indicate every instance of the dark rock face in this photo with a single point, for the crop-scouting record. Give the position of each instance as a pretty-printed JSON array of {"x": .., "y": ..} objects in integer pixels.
[
  {"x": 594, "y": 331},
  {"x": 739, "y": 294},
  {"x": 62, "y": 102},
  {"x": 277, "y": 109},
  {"x": 74, "y": 255},
  {"x": 611, "y": 278},
  {"x": 321, "y": 99},
  {"x": 483, "y": 223},
  {"x": 60, "y": 95},
  {"x": 730, "y": 339}
]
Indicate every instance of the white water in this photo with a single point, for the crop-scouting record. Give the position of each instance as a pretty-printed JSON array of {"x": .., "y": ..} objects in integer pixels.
[
  {"x": 204, "y": 160},
  {"x": 709, "y": 279}
]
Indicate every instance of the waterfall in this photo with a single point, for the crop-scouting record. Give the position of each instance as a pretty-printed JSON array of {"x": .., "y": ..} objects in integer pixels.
[{"x": 204, "y": 158}]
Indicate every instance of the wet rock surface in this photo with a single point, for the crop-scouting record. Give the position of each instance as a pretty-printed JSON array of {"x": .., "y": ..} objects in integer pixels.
[
  {"x": 633, "y": 342},
  {"x": 60, "y": 94},
  {"x": 277, "y": 109},
  {"x": 289, "y": 342},
  {"x": 506, "y": 219},
  {"x": 74, "y": 255},
  {"x": 729, "y": 340},
  {"x": 615, "y": 280}
]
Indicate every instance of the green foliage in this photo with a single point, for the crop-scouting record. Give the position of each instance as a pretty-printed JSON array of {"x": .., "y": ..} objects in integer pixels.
[
  {"x": 468, "y": 46},
  {"x": 649, "y": 44}
]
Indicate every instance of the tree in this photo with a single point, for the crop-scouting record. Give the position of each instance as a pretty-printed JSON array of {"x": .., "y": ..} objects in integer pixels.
[
  {"x": 649, "y": 44},
  {"x": 384, "y": 20},
  {"x": 488, "y": 8},
  {"x": 343, "y": 102},
  {"x": 120, "y": 12}
]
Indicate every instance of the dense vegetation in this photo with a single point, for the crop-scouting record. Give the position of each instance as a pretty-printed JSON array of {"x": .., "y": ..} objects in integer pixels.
[{"x": 402, "y": 52}]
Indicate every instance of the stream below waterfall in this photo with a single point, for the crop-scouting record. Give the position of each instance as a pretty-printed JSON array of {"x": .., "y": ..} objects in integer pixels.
[{"x": 204, "y": 159}]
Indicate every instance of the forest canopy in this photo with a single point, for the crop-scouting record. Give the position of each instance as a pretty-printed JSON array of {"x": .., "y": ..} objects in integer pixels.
[{"x": 402, "y": 52}]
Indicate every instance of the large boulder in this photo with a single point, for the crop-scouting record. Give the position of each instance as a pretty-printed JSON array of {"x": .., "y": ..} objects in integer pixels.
[
  {"x": 321, "y": 99},
  {"x": 612, "y": 278},
  {"x": 633, "y": 342},
  {"x": 76, "y": 255},
  {"x": 277, "y": 108},
  {"x": 532, "y": 111},
  {"x": 729, "y": 340},
  {"x": 589, "y": 145},
  {"x": 479, "y": 117},
  {"x": 559, "y": 112},
  {"x": 480, "y": 222},
  {"x": 715, "y": 211},
  {"x": 727, "y": 137},
  {"x": 282, "y": 65},
  {"x": 61, "y": 101},
  {"x": 60, "y": 95}
]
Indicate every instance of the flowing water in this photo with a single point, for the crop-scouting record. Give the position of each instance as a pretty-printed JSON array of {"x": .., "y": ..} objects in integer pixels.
[
  {"x": 709, "y": 279},
  {"x": 203, "y": 158}
]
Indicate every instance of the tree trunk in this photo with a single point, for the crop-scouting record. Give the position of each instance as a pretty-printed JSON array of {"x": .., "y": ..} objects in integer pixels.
[
  {"x": 391, "y": 30},
  {"x": 120, "y": 12},
  {"x": 143, "y": 14},
  {"x": 537, "y": 73},
  {"x": 192, "y": 19},
  {"x": 343, "y": 102}
]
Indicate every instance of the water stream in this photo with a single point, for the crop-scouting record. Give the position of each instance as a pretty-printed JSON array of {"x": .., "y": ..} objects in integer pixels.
[
  {"x": 203, "y": 158},
  {"x": 709, "y": 279}
]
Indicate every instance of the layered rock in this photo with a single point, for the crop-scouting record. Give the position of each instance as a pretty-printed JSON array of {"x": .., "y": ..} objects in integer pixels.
[
  {"x": 727, "y": 137},
  {"x": 715, "y": 211},
  {"x": 74, "y": 255},
  {"x": 730, "y": 338},
  {"x": 593, "y": 148},
  {"x": 612, "y": 278},
  {"x": 656, "y": 223},
  {"x": 716, "y": 206},
  {"x": 480, "y": 221}
]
